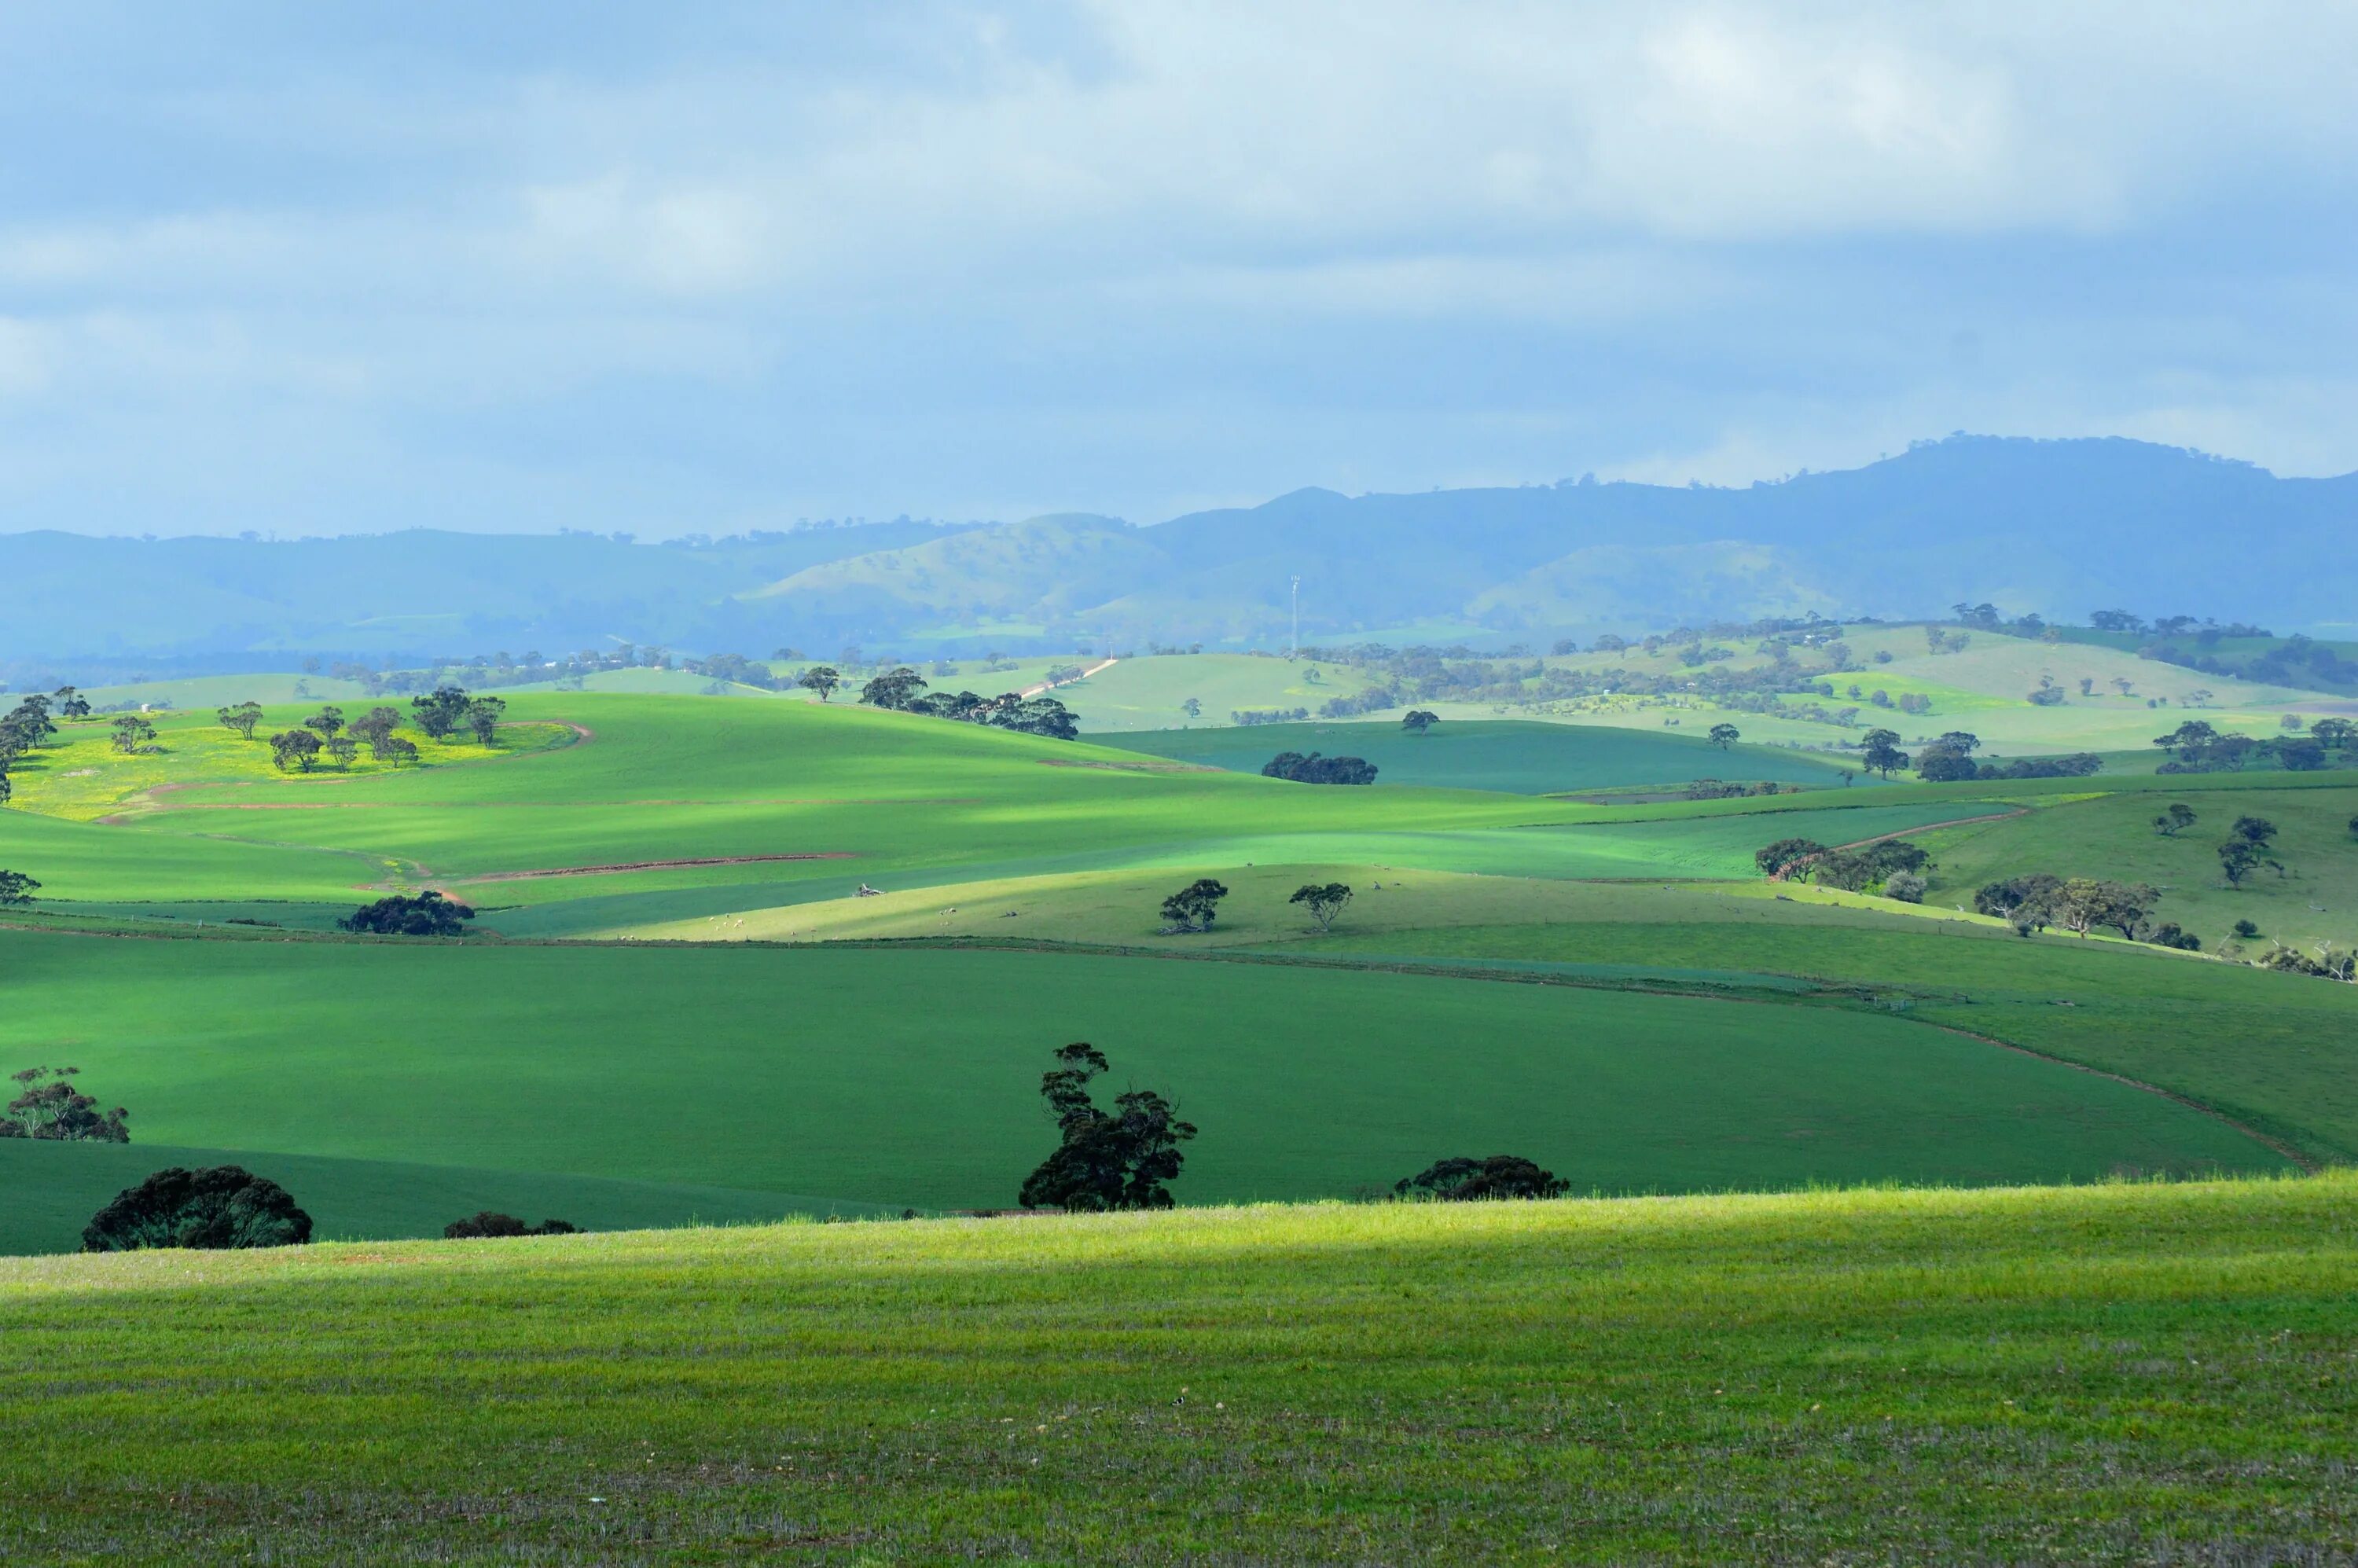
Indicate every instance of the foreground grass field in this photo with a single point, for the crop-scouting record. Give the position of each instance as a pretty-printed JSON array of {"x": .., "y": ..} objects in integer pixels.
[{"x": 2114, "y": 1374}]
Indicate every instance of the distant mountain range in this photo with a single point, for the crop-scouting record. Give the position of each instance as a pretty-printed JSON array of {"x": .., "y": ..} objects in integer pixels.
[{"x": 2058, "y": 527}]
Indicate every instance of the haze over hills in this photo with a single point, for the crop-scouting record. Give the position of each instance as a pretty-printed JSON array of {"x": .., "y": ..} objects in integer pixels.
[{"x": 2057, "y": 527}]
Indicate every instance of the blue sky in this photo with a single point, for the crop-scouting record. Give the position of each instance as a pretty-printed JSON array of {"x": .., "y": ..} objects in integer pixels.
[{"x": 317, "y": 269}]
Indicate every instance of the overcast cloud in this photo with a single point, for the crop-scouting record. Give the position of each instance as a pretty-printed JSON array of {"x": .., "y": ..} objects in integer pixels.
[{"x": 703, "y": 267}]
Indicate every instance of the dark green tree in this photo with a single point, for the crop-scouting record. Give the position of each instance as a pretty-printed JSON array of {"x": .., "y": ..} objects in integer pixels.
[
  {"x": 2176, "y": 819},
  {"x": 482, "y": 716},
  {"x": 132, "y": 731},
  {"x": 1420, "y": 719},
  {"x": 1465, "y": 1180},
  {"x": 822, "y": 679},
  {"x": 489, "y": 1223},
  {"x": 1724, "y": 735},
  {"x": 71, "y": 704},
  {"x": 1326, "y": 901},
  {"x": 895, "y": 688},
  {"x": 441, "y": 711},
  {"x": 2028, "y": 902},
  {"x": 328, "y": 721},
  {"x": 427, "y": 915},
  {"x": 240, "y": 719},
  {"x": 1879, "y": 752},
  {"x": 296, "y": 748},
  {"x": 397, "y": 750},
  {"x": 50, "y": 1108},
  {"x": 217, "y": 1208},
  {"x": 1121, "y": 1158},
  {"x": 1781, "y": 859},
  {"x": 341, "y": 749},
  {"x": 15, "y": 888},
  {"x": 378, "y": 724},
  {"x": 1194, "y": 906},
  {"x": 2239, "y": 858}
]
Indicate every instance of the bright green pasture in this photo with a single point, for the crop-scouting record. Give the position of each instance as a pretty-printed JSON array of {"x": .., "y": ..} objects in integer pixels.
[
  {"x": 1516, "y": 756},
  {"x": 205, "y": 693},
  {"x": 1149, "y": 693},
  {"x": 2276, "y": 1051},
  {"x": 54, "y": 1188},
  {"x": 83, "y": 861},
  {"x": 2123, "y": 1373},
  {"x": 909, "y": 1077},
  {"x": 2315, "y": 901}
]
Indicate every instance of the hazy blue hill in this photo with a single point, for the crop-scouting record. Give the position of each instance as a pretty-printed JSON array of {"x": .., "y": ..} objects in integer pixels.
[{"x": 2059, "y": 527}]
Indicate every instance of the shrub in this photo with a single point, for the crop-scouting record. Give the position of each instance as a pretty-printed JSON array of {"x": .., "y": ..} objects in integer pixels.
[
  {"x": 1907, "y": 887},
  {"x": 489, "y": 1224},
  {"x": 1463, "y": 1180},
  {"x": 216, "y": 1208}
]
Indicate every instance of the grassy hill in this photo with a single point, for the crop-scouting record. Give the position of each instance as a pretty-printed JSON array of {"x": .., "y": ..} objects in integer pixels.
[{"x": 2120, "y": 1373}]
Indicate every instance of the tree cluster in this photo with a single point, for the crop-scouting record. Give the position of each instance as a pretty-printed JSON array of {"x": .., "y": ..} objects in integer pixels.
[
  {"x": 2198, "y": 747},
  {"x": 217, "y": 1207},
  {"x": 48, "y": 1107},
  {"x": 1317, "y": 769},
  {"x": 898, "y": 689},
  {"x": 24, "y": 728},
  {"x": 2033, "y": 901},
  {"x": 1466, "y": 1180},
  {"x": 427, "y": 915},
  {"x": 1895, "y": 864},
  {"x": 1104, "y": 1159},
  {"x": 1950, "y": 759},
  {"x": 489, "y": 1223},
  {"x": 448, "y": 710}
]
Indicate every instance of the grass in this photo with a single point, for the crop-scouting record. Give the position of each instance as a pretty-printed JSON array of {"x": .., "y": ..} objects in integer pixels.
[
  {"x": 2114, "y": 1374},
  {"x": 1518, "y": 757},
  {"x": 909, "y": 1077},
  {"x": 54, "y": 1188}
]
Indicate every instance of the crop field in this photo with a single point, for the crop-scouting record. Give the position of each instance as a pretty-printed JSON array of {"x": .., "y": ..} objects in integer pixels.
[
  {"x": 738, "y": 963},
  {"x": 2115, "y": 1373}
]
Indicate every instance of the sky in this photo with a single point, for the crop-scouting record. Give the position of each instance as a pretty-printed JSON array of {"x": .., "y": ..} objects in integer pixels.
[{"x": 689, "y": 267}]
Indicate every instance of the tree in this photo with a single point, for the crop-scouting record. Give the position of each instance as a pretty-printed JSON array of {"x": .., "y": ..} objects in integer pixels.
[
  {"x": 1724, "y": 735},
  {"x": 17, "y": 888},
  {"x": 132, "y": 731},
  {"x": 822, "y": 679},
  {"x": 1950, "y": 758},
  {"x": 2255, "y": 829},
  {"x": 1463, "y": 1180},
  {"x": 2239, "y": 858},
  {"x": 1326, "y": 902},
  {"x": 1420, "y": 719},
  {"x": 217, "y": 1208},
  {"x": 440, "y": 712},
  {"x": 2299, "y": 755},
  {"x": 296, "y": 748},
  {"x": 2083, "y": 903},
  {"x": 52, "y": 1109},
  {"x": 2339, "y": 734},
  {"x": 2177, "y": 819},
  {"x": 1194, "y": 906},
  {"x": 1193, "y": 708},
  {"x": 1781, "y": 859},
  {"x": 342, "y": 749},
  {"x": 240, "y": 719},
  {"x": 489, "y": 1223},
  {"x": 71, "y": 704},
  {"x": 1104, "y": 1159},
  {"x": 427, "y": 915},
  {"x": 895, "y": 688},
  {"x": 394, "y": 748},
  {"x": 376, "y": 725},
  {"x": 1880, "y": 751},
  {"x": 2029, "y": 902},
  {"x": 328, "y": 721},
  {"x": 482, "y": 716},
  {"x": 1907, "y": 887},
  {"x": 1319, "y": 770}
]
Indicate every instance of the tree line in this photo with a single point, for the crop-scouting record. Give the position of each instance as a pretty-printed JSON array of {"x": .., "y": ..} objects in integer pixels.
[
  {"x": 445, "y": 712},
  {"x": 898, "y": 689}
]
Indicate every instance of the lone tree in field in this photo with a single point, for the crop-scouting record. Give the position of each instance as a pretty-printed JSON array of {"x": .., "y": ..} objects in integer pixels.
[
  {"x": 1104, "y": 1159},
  {"x": 427, "y": 915},
  {"x": 822, "y": 679},
  {"x": 71, "y": 703},
  {"x": 1325, "y": 901},
  {"x": 1193, "y": 708},
  {"x": 1194, "y": 906},
  {"x": 219, "y": 1207},
  {"x": 2177, "y": 819},
  {"x": 296, "y": 748},
  {"x": 240, "y": 719},
  {"x": 1420, "y": 719},
  {"x": 1781, "y": 859},
  {"x": 489, "y": 1223},
  {"x": 1724, "y": 735},
  {"x": 52, "y": 1110},
  {"x": 1463, "y": 1180},
  {"x": 15, "y": 888},
  {"x": 132, "y": 731},
  {"x": 1880, "y": 751},
  {"x": 328, "y": 721},
  {"x": 2238, "y": 859}
]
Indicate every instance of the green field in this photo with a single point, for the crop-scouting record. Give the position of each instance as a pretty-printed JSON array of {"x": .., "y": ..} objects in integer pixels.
[{"x": 2123, "y": 1373}]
